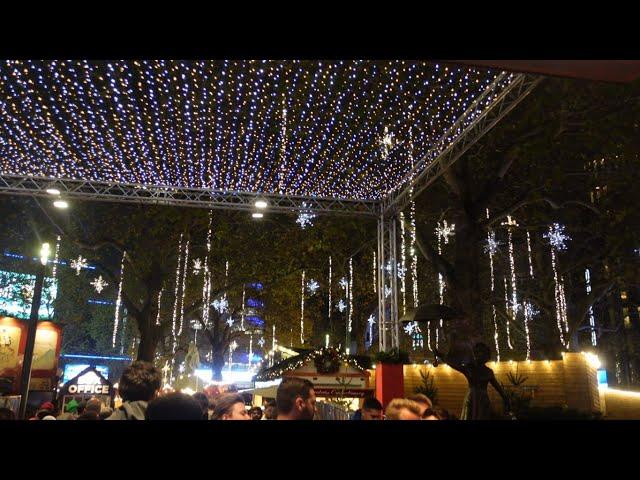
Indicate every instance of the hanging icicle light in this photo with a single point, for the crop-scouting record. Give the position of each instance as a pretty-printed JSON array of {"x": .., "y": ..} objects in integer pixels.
[
  {"x": 206, "y": 285},
  {"x": 557, "y": 241},
  {"x": 176, "y": 296},
  {"x": 118, "y": 302},
  {"x": 529, "y": 313},
  {"x": 506, "y": 306},
  {"x": 184, "y": 285},
  {"x": 250, "y": 349},
  {"x": 350, "y": 293},
  {"x": 371, "y": 322},
  {"x": 55, "y": 259},
  {"x": 592, "y": 319},
  {"x": 243, "y": 307},
  {"x": 302, "y": 310},
  {"x": 402, "y": 267},
  {"x": 529, "y": 253},
  {"x": 329, "y": 306},
  {"x": 159, "y": 300},
  {"x": 375, "y": 271},
  {"x": 492, "y": 248}
]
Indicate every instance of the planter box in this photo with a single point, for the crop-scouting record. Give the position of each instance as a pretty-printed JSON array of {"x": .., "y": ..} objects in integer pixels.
[{"x": 389, "y": 382}]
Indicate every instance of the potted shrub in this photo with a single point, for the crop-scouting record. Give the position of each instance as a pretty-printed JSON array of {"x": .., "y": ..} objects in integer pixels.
[{"x": 390, "y": 375}]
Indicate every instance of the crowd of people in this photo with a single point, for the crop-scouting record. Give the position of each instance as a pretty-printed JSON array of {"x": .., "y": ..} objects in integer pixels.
[{"x": 139, "y": 389}]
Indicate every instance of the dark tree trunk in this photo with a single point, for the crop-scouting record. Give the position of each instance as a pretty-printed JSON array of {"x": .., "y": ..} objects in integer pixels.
[{"x": 217, "y": 363}]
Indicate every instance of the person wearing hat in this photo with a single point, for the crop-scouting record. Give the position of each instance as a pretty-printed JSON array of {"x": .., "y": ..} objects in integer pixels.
[{"x": 70, "y": 411}]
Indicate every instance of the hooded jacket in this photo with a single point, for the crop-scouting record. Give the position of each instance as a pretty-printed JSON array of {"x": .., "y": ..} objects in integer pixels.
[{"x": 135, "y": 410}]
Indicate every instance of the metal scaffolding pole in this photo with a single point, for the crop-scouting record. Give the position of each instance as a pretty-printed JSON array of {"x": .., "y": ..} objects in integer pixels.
[{"x": 388, "y": 326}]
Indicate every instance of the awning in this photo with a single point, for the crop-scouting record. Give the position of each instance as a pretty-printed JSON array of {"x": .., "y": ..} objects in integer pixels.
[{"x": 268, "y": 392}]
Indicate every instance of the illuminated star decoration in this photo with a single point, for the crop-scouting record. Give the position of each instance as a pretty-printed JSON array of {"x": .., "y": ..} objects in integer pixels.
[
  {"x": 492, "y": 244},
  {"x": 78, "y": 264},
  {"x": 445, "y": 231},
  {"x": 312, "y": 286},
  {"x": 344, "y": 283},
  {"x": 261, "y": 342},
  {"x": 99, "y": 284},
  {"x": 229, "y": 321},
  {"x": 341, "y": 305},
  {"x": 221, "y": 305},
  {"x": 179, "y": 122},
  {"x": 556, "y": 237},
  {"x": 197, "y": 266},
  {"x": 305, "y": 217}
]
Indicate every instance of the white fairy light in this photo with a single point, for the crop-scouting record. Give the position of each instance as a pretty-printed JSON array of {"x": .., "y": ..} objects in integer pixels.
[
  {"x": 197, "y": 266},
  {"x": 261, "y": 342},
  {"x": 184, "y": 284},
  {"x": 99, "y": 284},
  {"x": 273, "y": 338},
  {"x": 529, "y": 313},
  {"x": 232, "y": 346},
  {"x": 445, "y": 231},
  {"x": 350, "y": 296},
  {"x": 176, "y": 295},
  {"x": 302, "y": 310},
  {"x": 492, "y": 244},
  {"x": 375, "y": 271},
  {"x": 529, "y": 253},
  {"x": 250, "y": 349},
  {"x": 371, "y": 322},
  {"x": 592, "y": 319},
  {"x": 244, "y": 305},
  {"x": 556, "y": 237},
  {"x": 116, "y": 318},
  {"x": 55, "y": 259},
  {"x": 312, "y": 286},
  {"x": 78, "y": 264},
  {"x": 511, "y": 223},
  {"x": 387, "y": 291}
]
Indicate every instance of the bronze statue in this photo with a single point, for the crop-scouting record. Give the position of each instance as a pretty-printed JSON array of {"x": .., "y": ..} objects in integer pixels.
[{"x": 478, "y": 375}]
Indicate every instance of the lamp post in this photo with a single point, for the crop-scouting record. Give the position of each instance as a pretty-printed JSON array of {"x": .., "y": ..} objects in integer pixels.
[{"x": 31, "y": 329}]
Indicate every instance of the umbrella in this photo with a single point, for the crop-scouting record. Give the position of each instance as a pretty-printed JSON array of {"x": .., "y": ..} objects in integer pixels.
[{"x": 427, "y": 312}]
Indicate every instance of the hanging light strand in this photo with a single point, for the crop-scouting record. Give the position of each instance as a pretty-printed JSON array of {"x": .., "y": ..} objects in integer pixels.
[
  {"x": 592, "y": 319},
  {"x": 118, "y": 302},
  {"x": 403, "y": 282},
  {"x": 350, "y": 293},
  {"x": 159, "y": 300},
  {"x": 529, "y": 253},
  {"x": 302, "y": 310},
  {"x": 184, "y": 285},
  {"x": 329, "y": 306},
  {"x": 491, "y": 249},
  {"x": 176, "y": 296},
  {"x": 55, "y": 259},
  {"x": 506, "y": 306},
  {"x": 206, "y": 287}
]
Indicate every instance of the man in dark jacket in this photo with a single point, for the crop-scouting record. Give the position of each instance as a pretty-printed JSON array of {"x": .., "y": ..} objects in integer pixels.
[
  {"x": 138, "y": 385},
  {"x": 371, "y": 410}
]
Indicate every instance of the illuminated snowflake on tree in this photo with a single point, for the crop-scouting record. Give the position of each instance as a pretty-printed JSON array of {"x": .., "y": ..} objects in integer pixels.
[
  {"x": 78, "y": 264},
  {"x": 344, "y": 283},
  {"x": 99, "y": 284},
  {"x": 371, "y": 320},
  {"x": 556, "y": 236},
  {"x": 401, "y": 271},
  {"x": 341, "y": 305},
  {"x": 492, "y": 244},
  {"x": 261, "y": 342},
  {"x": 197, "y": 266},
  {"x": 411, "y": 328},
  {"x": 312, "y": 286},
  {"x": 530, "y": 310},
  {"x": 233, "y": 345},
  {"x": 445, "y": 231},
  {"x": 305, "y": 217},
  {"x": 387, "y": 291},
  {"x": 221, "y": 305},
  {"x": 229, "y": 321}
]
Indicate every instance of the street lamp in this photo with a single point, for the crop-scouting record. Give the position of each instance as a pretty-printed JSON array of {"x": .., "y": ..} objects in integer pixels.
[
  {"x": 62, "y": 204},
  {"x": 260, "y": 204},
  {"x": 53, "y": 191}
]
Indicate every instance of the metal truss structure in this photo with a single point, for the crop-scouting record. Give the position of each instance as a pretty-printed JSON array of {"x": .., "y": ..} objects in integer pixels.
[
  {"x": 467, "y": 130},
  {"x": 388, "y": 326},
  {"x": 182, "y": 197}
]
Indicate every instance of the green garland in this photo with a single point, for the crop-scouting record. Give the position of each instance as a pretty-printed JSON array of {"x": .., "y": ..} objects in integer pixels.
[{"x": 393, "y": 357}]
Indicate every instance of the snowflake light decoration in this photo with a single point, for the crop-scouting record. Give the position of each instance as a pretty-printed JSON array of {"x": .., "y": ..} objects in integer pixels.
[
  {"x": 387, "y": 291},
  {"x": 261, "y": 342},
  {"x": 196, "y": 325},
  {"x": 229, "y": 321},
  {"x": 401, "y": 271},
  {"x": 312, "y": 286},
  {"x": 197, "y": 266},
  {"x": 445, "y": 231},
  {"x": 530, "y": 310},
  {"x": 410, "y": 328},
  {"x": 371, "y": 321},
  {"x": 99, "y": 284},
  {"x": 78, "y": 264},
  {"x": 344, "y": 283},
  {"x": 556, "y": 236},
  {"x": 341, "y": 305},
  {"x": 492, "y": 244},
  {"x": 305, "y": 217},
  {"x": 233, "y": 345},
  {"x": 221, "y": 305}
]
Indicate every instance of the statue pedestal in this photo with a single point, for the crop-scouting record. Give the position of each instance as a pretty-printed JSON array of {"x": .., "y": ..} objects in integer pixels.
[{"x": 389, "y": 382}]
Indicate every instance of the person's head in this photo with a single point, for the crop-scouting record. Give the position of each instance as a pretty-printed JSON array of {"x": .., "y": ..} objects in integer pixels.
[
  {"x": 230, "y": 406},
  {"x": 481, "y": 352},
  {"x": 296, "y": 399},
  {"x": 430, "y": 414},
  {"x": 72, "y": 406},
  {"x": 139, "y": 381},
  {"x": 202, "y": 399},
  {"x": 403, "y": 409},
  {"x": 88, "y": 415},
  {"x": 424, "y": 401},
  {"x": 271, "y": 410},
  {"x": 441, "y": 413},
  {"x": 174, "y": 406},
  {"x": 48, "y": 417},
  {"x": 255, "y": 413},
  {"x": 93, "y": 405},
  {"x": 371, "y": 409},
  {"x": 40, "y": 414},
  {"x": 7, "y": 414},
  {"x": 105, "y": 413},
  {"x": 48, "y": 406},
  {"x": 81, "y": 406}
]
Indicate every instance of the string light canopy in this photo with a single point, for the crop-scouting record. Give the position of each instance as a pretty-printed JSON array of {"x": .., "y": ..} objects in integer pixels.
[{"x": 297, "y": 128}]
